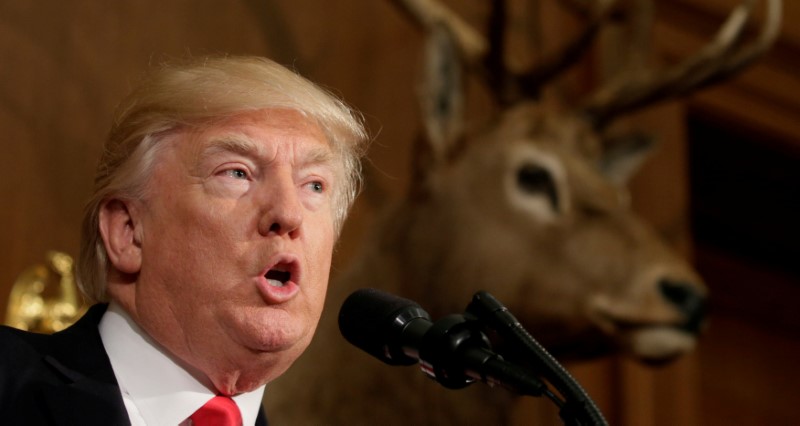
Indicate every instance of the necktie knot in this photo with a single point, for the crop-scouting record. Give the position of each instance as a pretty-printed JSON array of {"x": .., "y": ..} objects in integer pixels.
[{"x": 218, "y": 411}]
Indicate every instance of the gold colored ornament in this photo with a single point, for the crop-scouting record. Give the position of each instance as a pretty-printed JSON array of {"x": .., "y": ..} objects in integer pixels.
[{"x": 44, "y": 297}]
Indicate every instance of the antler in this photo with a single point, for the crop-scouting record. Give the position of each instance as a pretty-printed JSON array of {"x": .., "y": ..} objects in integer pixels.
[
  {"x": 430, "y": 14},
  {"x": 726, "y": 55},
  {"x": 511, "y": 87},
  {"x": 486, "y": 57}
]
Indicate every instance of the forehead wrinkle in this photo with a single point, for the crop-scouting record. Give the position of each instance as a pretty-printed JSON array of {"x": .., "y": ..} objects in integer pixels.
[{"x": 233, "y": 142}]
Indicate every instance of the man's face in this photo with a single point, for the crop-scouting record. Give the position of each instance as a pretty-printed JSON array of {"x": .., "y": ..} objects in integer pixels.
[{"x": 237, "y": 237}]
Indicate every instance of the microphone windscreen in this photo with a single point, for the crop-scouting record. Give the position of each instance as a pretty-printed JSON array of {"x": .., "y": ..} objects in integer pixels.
[{"x": 367, "y": 320}]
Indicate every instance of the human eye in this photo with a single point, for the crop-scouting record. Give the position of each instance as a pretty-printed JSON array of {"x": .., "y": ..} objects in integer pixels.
[
  {"x": 316, "y": 186},
  {"x": 237, "y": 173}
]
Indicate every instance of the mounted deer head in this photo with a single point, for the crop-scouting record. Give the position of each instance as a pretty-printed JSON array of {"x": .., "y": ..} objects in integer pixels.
[{"x": 530, "y": 207}]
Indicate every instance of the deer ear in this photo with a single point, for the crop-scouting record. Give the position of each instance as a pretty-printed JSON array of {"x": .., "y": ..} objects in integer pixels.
[
  {"x": 442, "y": 92},
  {"x": 623, "y": 155}
]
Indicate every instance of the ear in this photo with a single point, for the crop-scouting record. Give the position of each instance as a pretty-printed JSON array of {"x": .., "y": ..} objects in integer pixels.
[
  {"x": 442, "y": 93},
  {"x": 441, "y": 97},
  {"x": 121, "y": 231},
  {"x": 624, "y": 155}
]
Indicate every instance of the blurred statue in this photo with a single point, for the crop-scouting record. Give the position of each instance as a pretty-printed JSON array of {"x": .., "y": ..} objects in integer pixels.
[{"x": 43, "y": 299}]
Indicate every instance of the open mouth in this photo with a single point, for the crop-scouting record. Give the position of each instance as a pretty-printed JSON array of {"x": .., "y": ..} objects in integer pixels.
[{"x": 279, "y": 275}]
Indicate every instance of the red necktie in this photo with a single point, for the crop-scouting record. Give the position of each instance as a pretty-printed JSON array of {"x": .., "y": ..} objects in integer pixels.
[{"x": 218, "y": 411}]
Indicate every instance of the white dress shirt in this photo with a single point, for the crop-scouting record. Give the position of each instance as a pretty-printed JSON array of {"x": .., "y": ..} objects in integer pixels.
[{"x": 155, "y": 388}]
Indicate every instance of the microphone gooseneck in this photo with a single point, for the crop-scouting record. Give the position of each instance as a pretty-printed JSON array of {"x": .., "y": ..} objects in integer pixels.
[{"x": 579, "y": 408}]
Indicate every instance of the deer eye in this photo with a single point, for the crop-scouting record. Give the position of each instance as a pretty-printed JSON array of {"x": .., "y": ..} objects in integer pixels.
[{"x": 533, "y": 179}]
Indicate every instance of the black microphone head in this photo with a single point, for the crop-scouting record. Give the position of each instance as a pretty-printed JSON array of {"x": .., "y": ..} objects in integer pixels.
[{"x": 373, "y": 321}]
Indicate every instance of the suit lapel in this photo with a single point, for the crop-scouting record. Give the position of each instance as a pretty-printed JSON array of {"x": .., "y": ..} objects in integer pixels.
[
  {"x": 85, "y": 403},
  {"x": 89, "y": 393}
]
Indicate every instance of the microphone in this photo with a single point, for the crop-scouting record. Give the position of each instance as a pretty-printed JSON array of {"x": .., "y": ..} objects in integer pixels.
[{"x": 452, "y": 350}]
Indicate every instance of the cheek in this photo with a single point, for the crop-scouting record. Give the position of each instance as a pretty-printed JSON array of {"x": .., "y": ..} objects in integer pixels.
[
  {"x": 188, "y": 245},
  {"x": 321, "y": 249},
  {"x": 319, "y": 252}
]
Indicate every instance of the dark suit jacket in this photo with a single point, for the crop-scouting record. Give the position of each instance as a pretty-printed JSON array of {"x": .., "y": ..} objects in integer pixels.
[{"x": 61, "y": 379}]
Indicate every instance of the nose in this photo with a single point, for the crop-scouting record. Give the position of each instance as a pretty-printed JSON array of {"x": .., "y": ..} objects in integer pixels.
[
  {"x": 282, "y": 211},
  {"x": 688, "y": 300}
]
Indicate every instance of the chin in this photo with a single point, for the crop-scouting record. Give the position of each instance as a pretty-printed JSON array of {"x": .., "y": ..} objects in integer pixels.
[
  {"x": 269, "y": 329},
  {"x": 286, "y": 346},
  {"x": 659, "y": 345}
]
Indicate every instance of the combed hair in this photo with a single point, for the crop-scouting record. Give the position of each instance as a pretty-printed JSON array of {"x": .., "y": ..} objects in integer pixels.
[{"x": 195, "y": 93}]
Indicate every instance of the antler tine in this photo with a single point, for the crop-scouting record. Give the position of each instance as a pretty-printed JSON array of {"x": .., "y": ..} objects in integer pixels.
[
  {"x": 531, "y": 82},
  {"x": 486, "y": 57},
  {"x": 748, "y": 54},
  {"x": 719, "y": 59},
  {"x": 496, "y": 72},
  {"x": 429, "y": 14}
]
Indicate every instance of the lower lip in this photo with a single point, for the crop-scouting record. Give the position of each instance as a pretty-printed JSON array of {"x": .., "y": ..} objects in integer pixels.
[{"x": 275, "y": 295}]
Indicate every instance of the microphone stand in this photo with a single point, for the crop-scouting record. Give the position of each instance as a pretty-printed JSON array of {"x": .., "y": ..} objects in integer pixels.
[{"x": 577, "y": 408}]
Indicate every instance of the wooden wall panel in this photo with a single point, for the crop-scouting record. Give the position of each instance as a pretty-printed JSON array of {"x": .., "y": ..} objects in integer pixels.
[{"x": 66, "y": 64}]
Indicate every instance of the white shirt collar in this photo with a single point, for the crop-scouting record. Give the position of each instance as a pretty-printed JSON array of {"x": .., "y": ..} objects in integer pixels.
[{"x": 163, "y": 391}]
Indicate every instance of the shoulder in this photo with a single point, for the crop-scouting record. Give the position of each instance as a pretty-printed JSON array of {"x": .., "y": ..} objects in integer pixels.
[
  {"x": 20, "y": 351},
  {"x": 21, "y": 354},
  {"x": 17, "y": 346},
  {"x": 30, "y": 362},
  {"x": 24, "y": 355}
]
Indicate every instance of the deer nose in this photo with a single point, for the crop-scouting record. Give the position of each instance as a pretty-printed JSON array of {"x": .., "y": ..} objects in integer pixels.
[{"x": 688, "y": 300}]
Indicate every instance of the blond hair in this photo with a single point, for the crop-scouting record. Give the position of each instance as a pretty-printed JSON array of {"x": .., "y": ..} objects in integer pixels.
[{"x": 193, "y": 93}]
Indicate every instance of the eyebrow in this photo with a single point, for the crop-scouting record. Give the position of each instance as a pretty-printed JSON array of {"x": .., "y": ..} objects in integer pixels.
[
  {"x": 243, "y": 145},
  {"x": 235, "y": 143},
  {"x": 319, "y": 156}
]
